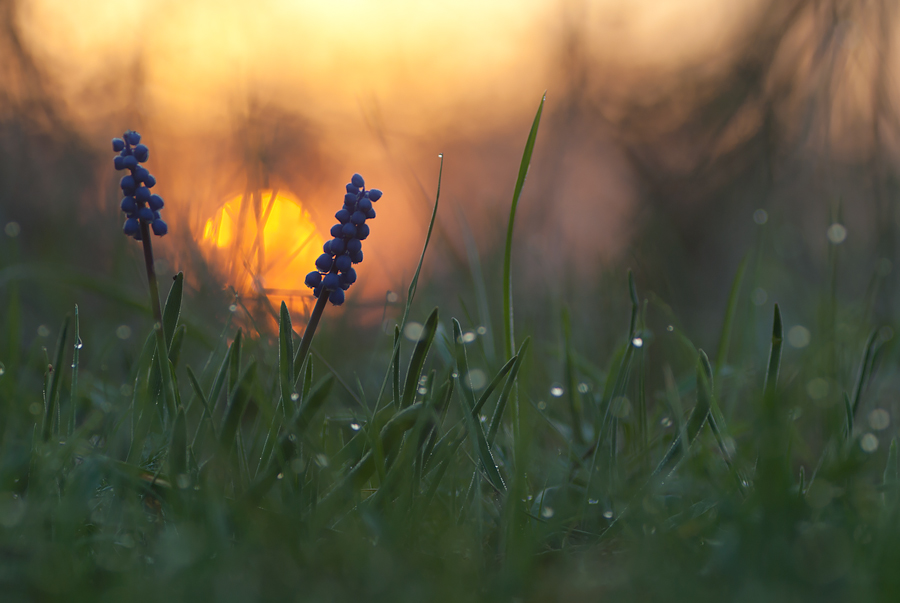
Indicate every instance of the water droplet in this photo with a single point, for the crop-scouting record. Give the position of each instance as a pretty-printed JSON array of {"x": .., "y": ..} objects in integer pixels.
[
  {"x": 354, "y": 426},
  {"x": 12, "y": 229},
  {"x": 392, "y": 297},
  {"x": 593, "y": 501},
  {"x": 2, "y": 369},
  {"x": 637, "y": 342},
  {"x": 413, "y": 331},
  {"x": 123, "y": 332},
  {"x": 879, "y": 419},
  {"x": 279, "y": 476},
  {"x": 454, "y": 374},
  {"x": 441, "y": 155},
  {"x": 836, "y": 233},
  {"x": 481, "y": 330},
  {"x": 468, "y": 337},
  {"x": 869, "y": 443},
  {"x": 422, "y": 391},
  {"x": 547, "y": 512},
  {"x": 43, "y": 331},
  {"x": 583, "y": 388},
  {"x": 476, "y": 379},
  {"x": 79, "y": 344},
  {"x": 608, "y": 514},
  {"x": 760, "y": 216},
  {"x": 34, "y": 408},
  {"x": 482, "y": 418},
  {"x": 556, "y": 390},
  {"x": 798, "y": 336},
  {"x": 295, "y": 396},
  {"x": 759, "y": 296},
  {"x": 183, "y": 480},
  {"x": 670, "y": 328},
  {"x": 321, "y": 460},
  {"x": 666, "y": 422},
  {"x": 542, "y": 405},
  {"x": 232, "y": 308}
]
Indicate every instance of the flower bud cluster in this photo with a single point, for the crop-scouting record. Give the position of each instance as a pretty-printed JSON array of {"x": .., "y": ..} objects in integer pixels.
[
  {"x": 335, "y": 273},
  {"x": 138, "y": 204}
]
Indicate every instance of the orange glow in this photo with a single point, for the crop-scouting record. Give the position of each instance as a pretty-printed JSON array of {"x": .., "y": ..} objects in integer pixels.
[{"x": 263, "y": 244}]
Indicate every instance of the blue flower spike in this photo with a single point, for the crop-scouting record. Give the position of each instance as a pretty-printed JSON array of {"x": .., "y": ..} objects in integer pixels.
[
  {"x": 335, "y": 272},
  {"x": 139, "y": 204}
]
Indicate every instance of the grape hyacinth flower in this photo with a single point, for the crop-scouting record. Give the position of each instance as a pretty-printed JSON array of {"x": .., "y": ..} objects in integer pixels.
[
  {"x": 334, "y": 268},
  {"x": 334, "y": 271},
  {"x": 141, "y": 209},
  {"x": 139, "y": 204}
]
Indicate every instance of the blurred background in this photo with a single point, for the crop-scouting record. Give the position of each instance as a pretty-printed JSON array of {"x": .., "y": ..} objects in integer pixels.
[{"x": 678, "y": 137}]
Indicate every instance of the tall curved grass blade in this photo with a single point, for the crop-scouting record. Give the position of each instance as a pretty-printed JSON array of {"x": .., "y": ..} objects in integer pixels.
[
  {"x": 507, "y": 389},
  {"x": 395, "y": 368},
  {"x": 55, "y": 378},
  {"x": 173, "y": 307},
  {"x": 286, "y": 360},
  {"x": 848, "y": 412},
  {"x": 198, "y": 392},
  {"x": 731, "y": 309},
  {"x": 509, "y": 343},
  {"x": 176, "y": 343},
  {"x": 414, "y": 283}
]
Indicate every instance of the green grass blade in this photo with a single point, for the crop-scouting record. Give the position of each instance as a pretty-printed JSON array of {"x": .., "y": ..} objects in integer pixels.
[
  {"x": 395, "y": 368},
  {"x": 573, "y": 396},
  {"x": 507, "y": 390},
  {"x": 509, "y": 343},
  {"x": 198, "y": 391},
  {"x": 414, "y": 283},
  {"x": 237, "y": 404},
  {"x": 73, "y": 392},
  {"x": 417, "y": 361},
  {"x": 494, "y": 384},
  {"x": 178, "y": 447},
  {"x": 234, "y": 361},
  {"x": 176, "y": 344},
  {"x": 774, "y": 358},
  {"x": 848, "y": 412},
  {"x": 864, "y": 369},
  {"x": 286, "y": 360},
  {"x": 482, "y": 449},
  {"x": 173, "y": 307},
  {"x": 55, "y": 379},
  {"x": 731, "y": 309}
]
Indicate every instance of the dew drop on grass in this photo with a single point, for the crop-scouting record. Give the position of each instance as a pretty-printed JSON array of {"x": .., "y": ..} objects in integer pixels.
[
  {"x": 413, "y": 331},
  {"x": 542, "y": 405},
  {"x": 836, "y": 233},
  {"x": 476, "y": 379},
  {"x": 468, "y": 337},
  {"x": 279, "y": 476},
  {"x": 354, "y": 426},
  {"x": 869, "y": 443},
  {"x": 556, "y": 390},
  {"x": 232, "y": 308},
  {"x": 321, "y": 460},
  {"x": 670, "y": 328},
  {"x": 2, "y": 369},
  {"x": 666, "y": 422},
  {"x": 43, "y": 331},
  {"x": 593, "y": 501},
  {"x": 481, "y": 330},
  {"x": 547, "y": 512},
  {"x": 798, "y": 336},
  {"x": 608, "y": 514},
  {"x": 34, "y": 408},
  {"x": 454, "y": 374},
  {"x": 422, "y": 391},
  {"x": 583, "y": 388},
  {"x": 637, "y": 342},
  {"x": 295, "y": 396},
  {"x": 879, "y": 419},
  {"x": 123, "y": 332},
  {"x": 79, "y": 344},
  {"x": 392, "y": 297},
  {"x": 183, "y": 480}
]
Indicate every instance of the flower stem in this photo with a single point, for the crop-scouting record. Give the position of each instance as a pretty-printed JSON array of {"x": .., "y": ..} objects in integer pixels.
[
  {"x": 162, "y": 346},
  {"x": 311, "y": 326}
]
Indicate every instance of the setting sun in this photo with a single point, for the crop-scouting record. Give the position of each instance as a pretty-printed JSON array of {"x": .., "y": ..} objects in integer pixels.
[{"x": 262, "y": 243}]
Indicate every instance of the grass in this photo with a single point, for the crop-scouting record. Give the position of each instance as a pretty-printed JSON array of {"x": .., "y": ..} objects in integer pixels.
[{"x": 266, "y": 474}]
